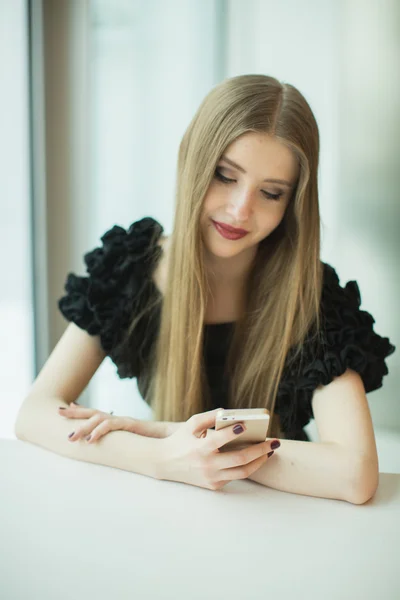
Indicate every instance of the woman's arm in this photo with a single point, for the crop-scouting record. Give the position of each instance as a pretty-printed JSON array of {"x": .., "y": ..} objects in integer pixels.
[
  {"x": 38, "y": 422},
  {"x": 66, "y": 373},
  {"x": 98, "y": 423},
  {"x": 324, "y": 470},
  {"x": 158, "y": 429},
  {"x": 344, "y": 464},
  {"x": 170, "y": 426}
]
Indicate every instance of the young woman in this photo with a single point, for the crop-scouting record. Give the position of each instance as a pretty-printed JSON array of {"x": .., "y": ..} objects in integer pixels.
[{"x": 235, "y": 309}]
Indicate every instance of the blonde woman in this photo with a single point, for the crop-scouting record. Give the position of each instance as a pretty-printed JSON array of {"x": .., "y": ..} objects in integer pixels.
[{"x": 234, "y": 309}]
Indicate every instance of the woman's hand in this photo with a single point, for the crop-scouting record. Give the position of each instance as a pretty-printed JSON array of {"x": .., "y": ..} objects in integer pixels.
[
  {"x": 191, "y": 454},
  {"x": 100, "y": 423}
]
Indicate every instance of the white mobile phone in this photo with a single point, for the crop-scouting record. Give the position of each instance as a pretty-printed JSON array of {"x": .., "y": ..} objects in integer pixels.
[{"x": 256, "y": 421}]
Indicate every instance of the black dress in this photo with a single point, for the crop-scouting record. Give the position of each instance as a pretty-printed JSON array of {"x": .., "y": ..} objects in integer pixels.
[{"x": 118, "y": 284}]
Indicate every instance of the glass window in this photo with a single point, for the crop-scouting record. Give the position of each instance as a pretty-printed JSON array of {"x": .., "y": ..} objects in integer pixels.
[{"x": 16, "y": 310}]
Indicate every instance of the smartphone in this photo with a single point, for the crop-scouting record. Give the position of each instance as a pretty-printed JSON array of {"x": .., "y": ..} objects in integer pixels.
[{"x": 256, "y": 421}]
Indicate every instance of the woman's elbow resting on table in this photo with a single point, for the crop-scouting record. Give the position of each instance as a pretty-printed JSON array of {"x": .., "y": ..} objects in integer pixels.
[
  {"x": 39, "y": 423},
  {"x": 367, "y": 482},
  {"x": 320, "y": 469}
]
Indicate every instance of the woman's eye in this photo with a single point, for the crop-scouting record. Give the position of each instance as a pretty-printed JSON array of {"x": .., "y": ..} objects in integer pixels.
[
  {"x": 224, "y": 179},
  {"x": 272, "y": 196}
]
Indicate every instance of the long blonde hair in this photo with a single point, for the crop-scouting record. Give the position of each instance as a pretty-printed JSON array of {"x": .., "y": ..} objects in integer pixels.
[{"x": 284, "y": 286}]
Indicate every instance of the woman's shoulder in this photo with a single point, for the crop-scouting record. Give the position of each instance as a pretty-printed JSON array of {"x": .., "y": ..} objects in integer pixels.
[
  {"x": 122, "y": 248},
  {"x": 348, "y": 337},
  {"x": 332, "y": 289},
  {"x": 347, "y": 340},
  {"x": 117, "y": 281},
  {"x": 341, "y": 303},
  {"x": 348, "y": 333}
]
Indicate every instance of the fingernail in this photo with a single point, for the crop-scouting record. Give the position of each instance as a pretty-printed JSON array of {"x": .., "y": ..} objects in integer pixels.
[
  {"x": 61, "y": 407},
  {"x": 71, "y": 434},
  {"x": 88, "y": 437},
  {"x": 270, "y": 453},
  {"x": 238, "y": 429},
  {"x": 275, "y": 444}
]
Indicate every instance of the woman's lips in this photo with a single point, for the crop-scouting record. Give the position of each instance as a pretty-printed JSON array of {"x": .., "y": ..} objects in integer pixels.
[{"x": 228, "y": 234}]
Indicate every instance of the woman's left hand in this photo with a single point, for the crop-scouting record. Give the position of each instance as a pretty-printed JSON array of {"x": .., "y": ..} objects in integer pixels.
[{"x": 100, "y": 423}]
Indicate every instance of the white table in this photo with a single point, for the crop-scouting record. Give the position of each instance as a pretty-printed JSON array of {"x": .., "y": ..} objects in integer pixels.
[{"x": 74, "y": 530}]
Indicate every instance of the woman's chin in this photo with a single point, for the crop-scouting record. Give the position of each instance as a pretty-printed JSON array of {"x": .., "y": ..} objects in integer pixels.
[{"x": 223, "y": 248}]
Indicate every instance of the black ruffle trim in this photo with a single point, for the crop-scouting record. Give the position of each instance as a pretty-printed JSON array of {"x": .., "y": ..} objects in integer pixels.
[
  {"x": 118, "y": 272},
  {"x": 348, "y": 342},
  {"x": 119, "y": 283}
]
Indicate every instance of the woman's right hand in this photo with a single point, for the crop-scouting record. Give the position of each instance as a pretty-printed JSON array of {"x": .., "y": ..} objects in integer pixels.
[{"x": 191, "y": 454}]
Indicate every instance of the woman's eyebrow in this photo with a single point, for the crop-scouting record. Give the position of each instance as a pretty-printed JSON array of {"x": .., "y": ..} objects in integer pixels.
[{"x": 239, "y": 168}]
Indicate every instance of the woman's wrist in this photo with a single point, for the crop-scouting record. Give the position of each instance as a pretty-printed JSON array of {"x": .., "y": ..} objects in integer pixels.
[
  {"x": 170, "y": 427},
  {"x": 155, "y": 429}
]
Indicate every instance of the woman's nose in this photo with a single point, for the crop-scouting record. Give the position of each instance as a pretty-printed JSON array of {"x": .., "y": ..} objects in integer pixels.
[{"x": 241, "y": 205}]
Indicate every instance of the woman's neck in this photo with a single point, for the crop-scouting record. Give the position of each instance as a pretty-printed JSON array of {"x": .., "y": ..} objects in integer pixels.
[{"x": 231, "y": 273}]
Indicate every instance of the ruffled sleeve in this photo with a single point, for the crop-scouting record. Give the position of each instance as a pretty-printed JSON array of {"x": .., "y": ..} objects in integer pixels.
[
  {"x": 116, "y": 286},
  {"x": 347, "y": 341}
]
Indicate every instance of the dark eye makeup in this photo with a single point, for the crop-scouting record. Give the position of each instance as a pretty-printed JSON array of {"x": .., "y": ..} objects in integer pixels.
[{"x": 226, "y": 180}]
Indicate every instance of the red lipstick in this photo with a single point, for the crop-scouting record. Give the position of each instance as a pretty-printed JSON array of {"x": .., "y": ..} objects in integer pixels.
[{"x": 228, "y": 232}]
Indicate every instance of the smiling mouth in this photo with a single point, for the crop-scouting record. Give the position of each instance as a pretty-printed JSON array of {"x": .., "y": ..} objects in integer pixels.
[
  {"x": 231, "y": 229},
  {"x": 229, "y": 234}
]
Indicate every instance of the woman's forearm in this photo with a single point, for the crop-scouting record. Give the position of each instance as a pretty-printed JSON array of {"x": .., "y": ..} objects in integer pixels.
[
  {"x": 157, "y": 429},
  {"x": 321, "y": 469},
  {"x": 170, "y": 426},
  {"x": 324, "y": 469},
  {"x": 38, "y": 422}
]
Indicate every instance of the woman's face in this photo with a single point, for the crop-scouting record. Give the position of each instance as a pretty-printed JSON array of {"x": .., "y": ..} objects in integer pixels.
[{"x": 251, "y": 194}]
